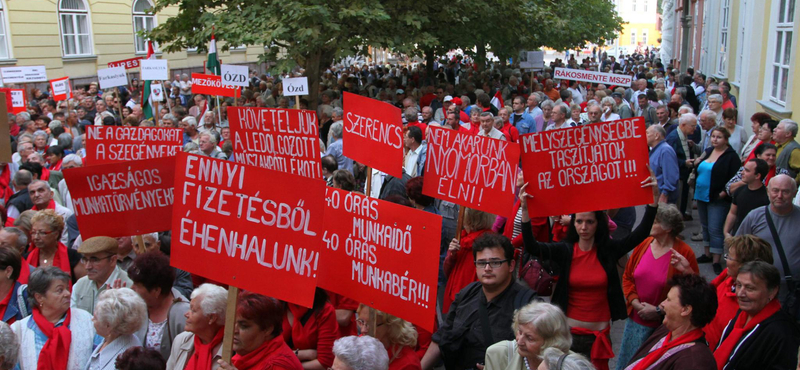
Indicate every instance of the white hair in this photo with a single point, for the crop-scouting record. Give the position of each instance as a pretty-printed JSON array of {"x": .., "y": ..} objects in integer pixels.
[
  {"x": 190, "y": 120},
  {"x": 686, "y": 109},
  {"x": 152, "y": 235},
  {"x": 121, "y": 309},
  {"x": 716, "y": 97},
  {"x": 39, "y": 133},
  {"x": 336, "y": 130},
  {"x": 361, "y": 353},
  {"x": 212, "y": 300},
  {"x": 73, "y": 158},
  {"x": 687, "y": 118},
  {"x": 708, "y": 114},
  {"x": 571, "y": 361},
  {"x": 9, "y": 347}
]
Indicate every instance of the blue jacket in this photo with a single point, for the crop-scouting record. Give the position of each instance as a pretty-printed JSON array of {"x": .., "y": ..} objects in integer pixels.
[
  {"x": 525, "y": 125},
  {"x": 664, "y": 164},
  {"x": 18, "y": 307}
]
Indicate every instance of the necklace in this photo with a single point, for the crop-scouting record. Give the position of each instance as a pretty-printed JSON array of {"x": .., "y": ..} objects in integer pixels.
[{"x": 527, "y": 365}]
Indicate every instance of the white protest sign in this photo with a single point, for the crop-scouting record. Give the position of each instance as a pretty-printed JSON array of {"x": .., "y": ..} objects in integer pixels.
[
  {"x": 235, "y": 75},
  {"x": 592, "y": 76},
  {"x": 17, "y": 99},
  {"x": 154, "y": 69},
  {"x": 295, "y": 86},
  {"x": 112, "y": 77},
  {"x": 156, "y": 92},
  {"x": 12, "y": 75},
  {"x": 531, "y": 59}
]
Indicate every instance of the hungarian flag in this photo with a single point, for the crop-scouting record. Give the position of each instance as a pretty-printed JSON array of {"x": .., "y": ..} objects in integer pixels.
[
  {"x": 147, "y": 105},
  {"x": 213, "y": 63},
  {"x": 497, "y": 100}
]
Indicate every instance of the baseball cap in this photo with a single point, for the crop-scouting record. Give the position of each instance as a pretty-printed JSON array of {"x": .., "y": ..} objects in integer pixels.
[{"x": 448, "y": 98}]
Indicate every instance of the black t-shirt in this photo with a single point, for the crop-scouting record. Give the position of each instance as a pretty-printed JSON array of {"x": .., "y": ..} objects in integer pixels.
[{"x": 747, "y": 200}]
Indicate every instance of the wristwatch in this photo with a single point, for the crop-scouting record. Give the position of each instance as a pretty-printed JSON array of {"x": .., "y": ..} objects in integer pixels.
[{"x": 659, "y": 310}]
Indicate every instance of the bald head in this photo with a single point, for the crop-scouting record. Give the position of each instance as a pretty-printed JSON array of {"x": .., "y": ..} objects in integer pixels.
[{"x": 781, "y": 191}]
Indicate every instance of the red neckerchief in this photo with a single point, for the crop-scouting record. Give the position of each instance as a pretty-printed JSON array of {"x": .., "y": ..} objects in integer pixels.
[
  {"x": 5, "y": 183},
  {"x": 60, "y": 259},
  {"x": 55, "y": 353},
  {"x": 601, "y": 349},
  {"x": 272, "y": 354},
  {"x": 203, "y": 355},
  {"x": 666, "y": 345},
  {"x": 727, "y": 345},
  {"x": 51, "y": 205}
]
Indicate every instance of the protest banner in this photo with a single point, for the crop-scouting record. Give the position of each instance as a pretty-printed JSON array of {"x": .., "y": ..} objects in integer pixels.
[
  {"x": 61, "y": 89},
  {"x": 154, "y": 69},
  {"x": 285, "y": 140},
  {"x": 126, "y": 63},
  {"x": 586, "y": 168},
  {"x": 470, "y": 170},
  {"x": 212, "y": 85},
  {"x": 381, "y": 254},
  {"x": 112, "y": 77},
  {"x": 610, "y": 79},
  {"x": 373, "y": 134},
  {"x": 295, "y": 86},
  {"x": 112, "y": 144},
  {"x": 23, "y": 74},
  {"x": 156, "y": 93},
  {"x": 15, "y": 100},
  {"x": 123, "y": 199},
  {"x": 244, "y": 226},
  {"x": 235, "y": 75}
]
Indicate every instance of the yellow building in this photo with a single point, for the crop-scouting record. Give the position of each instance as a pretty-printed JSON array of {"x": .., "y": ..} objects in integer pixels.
[
  {"x": 75, "y": 38},
  {"x": 641, "y": 26}
]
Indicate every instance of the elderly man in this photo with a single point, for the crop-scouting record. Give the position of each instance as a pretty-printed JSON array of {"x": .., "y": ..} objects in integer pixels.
[
  {"x": 785, "y": 216},
  {"x": 708, "y": 120},
  {"x": 208, "y": 146},
  {"x": 42, "y": 198},
  {"x": 100, "y": 260},
  {"x": 411, "y": 116},
  {"x": 594, "y": 112},
  {"x": 623, "y": 108},
  {"x": 205, "y": 322},
  {"x": 715, "y": 102},
  {"x": 664, "y": 163},
  {"x": 488, "y": 129},
  {"x": 190, "y": 133},
  {"x": 788, "y": 149},
  {"x": 102, "y": 112},
  {"x": 441, "y": 113},
  {"x": 20, "y": 201},
  {"x": 14, "y": 238},
  {"x": 335, "y": 148},
  {"x": 209, "y": 122},
  {"x": 678, "y": 139},
  {"x": 359, "y": 353}
]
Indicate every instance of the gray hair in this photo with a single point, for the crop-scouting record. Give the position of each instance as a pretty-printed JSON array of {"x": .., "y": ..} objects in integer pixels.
[
  {"x": 361, "y": 353},
  {"x": 212, "y": 300},
  {"x": 326, "y": 110},
  {"x": 790, "y": 126},
  {"x": 72, "y": 158},
  {"x": 610, "y": 100},
  {"x": 716, "y": 97},
  {"x": 22, "y": 238},
  {"x": 65, "y": 140},
  {"x": 686, "y": 109},
  {"x": 25, "y": 136},
  {"x": 571, "y": 361},
  {"x": 40, "y": 133},
  {"x": 336, "y": 130},
  {"x": 54, "y": 123},
  {"x": 411, "y": 114},
  {"x": 40, "y": 281},
  {"x": 190, "y": 120},
  {"x": 548, "y": 104},
  {"x": 9, "y": 347},
  {"x": 25, "y": 115},
  {"x": 709, "y": 114},
  {"x": 337, "y": 112},
  {"x": 121, "y": 309},
  {"x": 23, "y": 178},
  {"x": 168, "y": 116},
  {"x": 549, "y": 321},
  {"x": 152, "y": 235},
  {"x": 687, "y": 118},
  {"x": 681, "y": 91},
  {"x": 564, "y": 109},
  {"x": 211, "y": 137},
  {"x": 190, "y": 146},
  {"x": 669, "y": 217},
  {"x": 659, "y": 130},
  {"x": 465, "y": 100}
]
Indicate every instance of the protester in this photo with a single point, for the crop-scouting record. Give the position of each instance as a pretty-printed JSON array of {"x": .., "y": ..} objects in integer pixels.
[
  {"x": 748, "y": 197},
  {"x": 46, "y": 227},
  {"x": 664, "y": 163},
  {"x": 152, "y": 243},
  {"x": 200, "y": 346},
  {"x": 555, "y": 359},
  {"x": 459, "y": 264},
  {"x": 766, "y": 152},
  {"x": 9, "y": 347},
  {"x": 310, "y": 332},
  {"x": 788, "y": 148},
  {"x": 118, "y": 314},
  {"x": 54, "y": 336},
  {"x": 15, "y": 305},
  {"x": 42, "y": 198},
  {"x": 397, "y": 335},
  {"x": 359, "y": 353},
  {"x": 138, "y": 358},
  {"x": 757, "y": 120}
]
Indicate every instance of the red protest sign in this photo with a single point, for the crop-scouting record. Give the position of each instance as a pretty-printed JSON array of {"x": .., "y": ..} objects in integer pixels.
[
  {"x": 122, "y": 199},
  {"x": 212, "y": 85},
  {"x": 381, "y": 254},
  {"x": 586, "y": 168},
  {"x": 111, "y": 144},
  {"x": 373, "y": 134},
  {"x": 127, "y": 63},
  {"x": 249, "y": 227},
  {"x": 285, "y": 140},
  {"x": 470, "y": 170},
  {"x": 15, "y": 100},
  {"x": 61, "y": 89}
]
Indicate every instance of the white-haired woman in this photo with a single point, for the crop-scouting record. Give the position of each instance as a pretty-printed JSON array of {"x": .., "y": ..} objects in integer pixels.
[
  {"x": 359, "y": 353},
  {"x": 555, "y": 359},
  {"x": 9, "y": 347},
  {"x": 118, "y": 314},
  {"x": 200, "y": 346},
  {"x": 609, "y": 109},
  {"x": 537, "y": 326}
]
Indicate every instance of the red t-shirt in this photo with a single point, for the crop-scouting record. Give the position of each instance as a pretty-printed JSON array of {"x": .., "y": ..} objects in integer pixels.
[
  {"x": 407, "y": 359},
  {"x": 318, "y": 333},
  {"x": 727, "y": 305},
  {"x": 341, "y": 302},
  {"x": 588, "y": 287},
  {"x": 426, "y": 100},
  {"x": 511, "y": 132}
]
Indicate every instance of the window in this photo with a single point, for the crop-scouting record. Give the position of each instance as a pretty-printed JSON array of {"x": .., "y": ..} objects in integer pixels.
[
  {"x": 644, "y": 37},
  {"x": 142, "y": 21},
  {"x": 782, "y": 52},
  {"x": 722, "y": 65},
  {"x": 633, "y": 5},
  {"x": 633, "y": 37},
  {"x": 4, "y": 49},
  {"x": 644, "y": 6},
  {"x": 75, "y": 34}
]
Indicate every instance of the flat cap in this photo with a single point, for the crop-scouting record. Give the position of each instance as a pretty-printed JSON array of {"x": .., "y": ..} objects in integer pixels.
[{"x": 99, "y": 244}]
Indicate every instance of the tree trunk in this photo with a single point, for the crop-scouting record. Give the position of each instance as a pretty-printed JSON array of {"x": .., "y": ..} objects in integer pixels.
[
  {"x": 429, "y": 57},
  {"x": 480, "y": 57}
]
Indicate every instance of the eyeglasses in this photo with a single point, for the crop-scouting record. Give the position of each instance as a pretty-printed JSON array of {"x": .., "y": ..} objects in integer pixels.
[
  {"x": 94, "y": 260},
  {"x": 365, "y": 324},
  {"x": 494, "y": 263},
  {"x": 41, "y": 233},
  {"x": 727, "y": 257}
]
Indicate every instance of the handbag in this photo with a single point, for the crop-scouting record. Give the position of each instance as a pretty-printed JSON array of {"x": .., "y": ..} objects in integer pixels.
[
  {"x": 790, "y": 305},
  {"x": 538, "y": 278}
]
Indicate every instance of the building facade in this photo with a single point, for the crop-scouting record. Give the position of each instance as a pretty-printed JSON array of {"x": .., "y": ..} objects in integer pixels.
[
  {"x": 641, "y": 26},
  {"x": 75, "y": 38}
]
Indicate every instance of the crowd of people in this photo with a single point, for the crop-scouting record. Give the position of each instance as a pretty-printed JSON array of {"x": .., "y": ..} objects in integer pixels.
[{"x": 516, "y": 293}]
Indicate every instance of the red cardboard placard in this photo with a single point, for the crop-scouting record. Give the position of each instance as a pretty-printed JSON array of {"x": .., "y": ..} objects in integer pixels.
[
  {"x": 470, "y": 170},
  {"x": 249, "y": 227},
  {"x": 381, "y": 254},
  {"x": 285, "y": 140},
  {"x": 122, "y": 199},
  {"x": 373, "y": 134},
  {"x": 61, "y": 89},
  {"x": 15, "y": 100},
  {"x": 111, "y": 144},
  {"x": 212, "y": 85},
  {"x": 127, "y": 63},
  {"x": 586, "y": 168}
]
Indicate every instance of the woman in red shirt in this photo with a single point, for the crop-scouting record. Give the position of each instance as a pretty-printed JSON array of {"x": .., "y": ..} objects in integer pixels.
[
  {"x": 397, "y": 335},
  {"x": 311, "y": 332},
  {"x": 459, "y": 265},
  {"x": 589, "y": 290}
]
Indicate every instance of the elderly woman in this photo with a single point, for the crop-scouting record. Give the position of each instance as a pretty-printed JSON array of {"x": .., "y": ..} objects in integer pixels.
[
  {"x": 547, "y": 112},
  {"x": 153, "y": 278},
  {"x": 679, "y": 343},
  {"x": 459, "y": 265},
  {"x": 40, "y": 139},
  {"x": 741, "y": 249},
  {"x": 609, "y": 109},
  {"x": 200, "y": 346},
  {"x": 117, "y": 316},
  {"x": 9, "y": 347},
  {"x": 767, "y": 152},
  {"x": 738, "y": 137},
  {"x": 14, "y": 304},
  {"x": 46, "y": 228},
  {"x": 54, "y": 336},
  {"x": 714, "y": 168},
  {"x": 763, "y": 136},
  {"x": 257, "y": 338},
  {"x": 537, "y": 326},
  {"x": 756, "y": 120},
  {"x": 397, "y": 335},
  {"x": 556, "y": 359},
  {"x": 651, "y": 265},
  {"x": 359, "y": 353},
  {"x": 311, "y": 332},
  {"x": 760, "y": 335},
  {"x": 53, "y": 157}
]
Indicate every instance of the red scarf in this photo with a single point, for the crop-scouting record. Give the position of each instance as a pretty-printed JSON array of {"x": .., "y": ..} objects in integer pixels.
[
  {"x": 770, "y": 175},
  {"x": 57, "y": 166},
  {"x": 740, "y": 329},
  {"x": 55, "y": 353},
  {"x": 601, "y": 349},
  {"x": 666, "y": 345},
  {"x": 203, "y": 356},
  {"x": 51, "y": 205},
  {"x": 272, "y": 354},
  {"x": 45, "y": 174},
  {"x": 5, "y": 183},
  {"x": 60, "y": 260},
  {"x": 299, "y": 336}
]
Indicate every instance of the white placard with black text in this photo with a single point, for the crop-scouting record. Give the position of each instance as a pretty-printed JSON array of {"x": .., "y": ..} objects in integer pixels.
[
  {"x": 112, "y": 77},
  {"x": 295, "y": 86},
  {"x": 235, "y": 75},
  {"x": 154, "y": 69},
  {"x": 14, "y": 75}
]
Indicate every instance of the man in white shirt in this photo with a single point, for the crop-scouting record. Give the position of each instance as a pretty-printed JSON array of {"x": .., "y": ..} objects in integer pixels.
[
  {"x": 488, "y": 129},
  {"x": 414, "y": 161}
]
